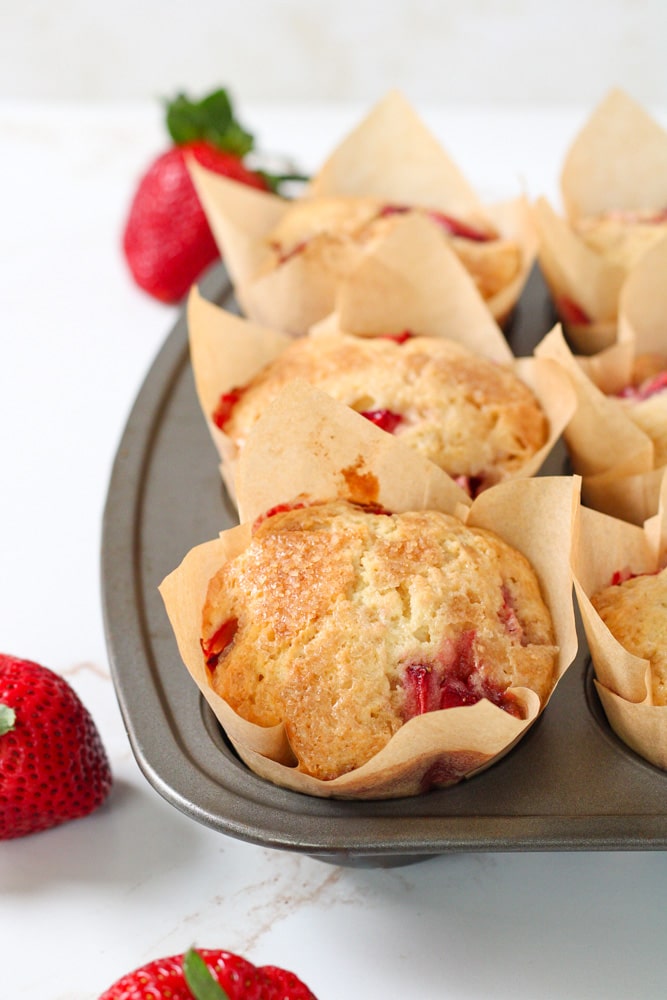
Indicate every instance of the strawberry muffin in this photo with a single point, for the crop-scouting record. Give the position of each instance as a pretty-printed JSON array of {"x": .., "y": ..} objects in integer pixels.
[
  {"x": 622, "y": 237},
  {"x": 339, "y": 229},
  {"x": 634, "y": 609},
  {"x": 343, "y": 622},
  {"x": 470, "y": 416}
]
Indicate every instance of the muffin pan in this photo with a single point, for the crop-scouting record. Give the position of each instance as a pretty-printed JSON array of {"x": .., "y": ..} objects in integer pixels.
[{"x": 570, "y": 784}]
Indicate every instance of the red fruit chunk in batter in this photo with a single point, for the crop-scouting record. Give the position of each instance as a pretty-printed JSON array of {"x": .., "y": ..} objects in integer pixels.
[
  {"x": 285, "y": 255},
  {"x": 399, "y": 338},
  {"x": 455, "y": 227},
  {"x": 279, "y": 508},
  {"x": 650, "y": 387},
  {"x": 386, "y": 420},
  {"x": 571, "y": 312},
  {"x": 226, "y": 404},
  {"x": 508, "y": 617},
  {"x": 219, "y": 641},
  {"x": 473, "y": 485},
  {"x": 452, "y": 681}
]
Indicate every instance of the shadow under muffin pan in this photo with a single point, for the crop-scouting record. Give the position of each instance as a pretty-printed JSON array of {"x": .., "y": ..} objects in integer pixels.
[{"x": 569, "y": 784}]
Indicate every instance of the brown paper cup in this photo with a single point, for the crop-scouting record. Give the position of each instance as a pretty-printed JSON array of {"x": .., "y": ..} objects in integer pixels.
[
  {"x": 617, "y": 450},
  {"x": 605, "y": 545},
  {"x": 643, "y": 303},
  {"x": 392, "y": 158},
  {"x": 307, "y": 444},
  {"x": 616, "y": 163},
  {"x": 413, "y": 282},
  {"x": 618, "y": 160},
  {"x": 579, "y": 280}
]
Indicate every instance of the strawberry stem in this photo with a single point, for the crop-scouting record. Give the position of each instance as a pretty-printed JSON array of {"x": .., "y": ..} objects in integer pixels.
[
  {"x": 275, "y": 181},
  {"x": 198, "y": 976},
  {"x": 211, "y": 119},
  {"x": 7, "y": 719}
]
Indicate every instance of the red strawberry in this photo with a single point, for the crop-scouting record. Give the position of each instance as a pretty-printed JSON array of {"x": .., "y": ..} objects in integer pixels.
[
  {"x": 167, "y": 239},
  {"x": 208, "y": 974},
  {"x": 53, "y": 767}
]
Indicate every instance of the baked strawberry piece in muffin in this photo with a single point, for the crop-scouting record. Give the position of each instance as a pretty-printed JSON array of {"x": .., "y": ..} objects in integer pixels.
[{"x": 344, "y": 622}]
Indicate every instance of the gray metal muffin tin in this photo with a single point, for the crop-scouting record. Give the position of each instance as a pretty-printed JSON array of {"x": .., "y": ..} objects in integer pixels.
[{"x": 570, "y": 784}]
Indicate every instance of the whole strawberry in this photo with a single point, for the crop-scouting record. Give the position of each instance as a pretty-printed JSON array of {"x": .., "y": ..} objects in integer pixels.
[
  {"x": 208, "y": 974},
  {"x": 53, "y": 767},
  {"x": 167, "y": 239}
]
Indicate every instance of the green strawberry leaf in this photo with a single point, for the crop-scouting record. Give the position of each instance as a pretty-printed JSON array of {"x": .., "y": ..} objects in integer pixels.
[
  {"x": 211, "y": 119},
  {"x": 200, "y": 982},
  {"x": 7, "y": 719}
]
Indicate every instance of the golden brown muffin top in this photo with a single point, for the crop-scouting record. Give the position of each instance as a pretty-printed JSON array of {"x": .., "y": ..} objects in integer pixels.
[
  {"x": 493, "y": 261},
  {"x": 470, "y": 416},
  {"x": 622, "y": 238},
  {"x": 343, "y": 622}
]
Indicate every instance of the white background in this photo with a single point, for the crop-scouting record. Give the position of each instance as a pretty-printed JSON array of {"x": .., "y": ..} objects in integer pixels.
[{"x": 499, "y": 51}]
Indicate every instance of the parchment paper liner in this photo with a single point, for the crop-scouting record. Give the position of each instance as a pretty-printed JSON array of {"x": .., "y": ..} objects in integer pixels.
[
  {"x": 642, "y": 313},
  {"x": 618, "y": 161},
  {"x": 412, "y": 282},
  {"x": 390, "y": 155},
  {"x": 614, "y": 456},
  {"x": 603, "y": 546},
  {"x": 575, "y": 272},
  {"x": 306, "y": 443}
]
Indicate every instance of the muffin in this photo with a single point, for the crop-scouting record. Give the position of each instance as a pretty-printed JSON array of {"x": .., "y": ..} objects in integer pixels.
[
  {"x": 286, "y": 258},
  {"x": 343, "y": 621},
  {"x": 617, "y": 437},
  {"x": 621, "y": 587},
  {"x": 310, "y": 447},
  {"x": 470, "y": 416},
  {"x": 614, "y": 192},
  {"x": 340, "y": 229},
  {"x": 634, "y": 609},
  {"x": 622, "y": 237}
]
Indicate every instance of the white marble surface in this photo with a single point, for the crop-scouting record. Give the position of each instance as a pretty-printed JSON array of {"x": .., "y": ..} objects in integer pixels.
[{"x": 83, "y": 903}]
